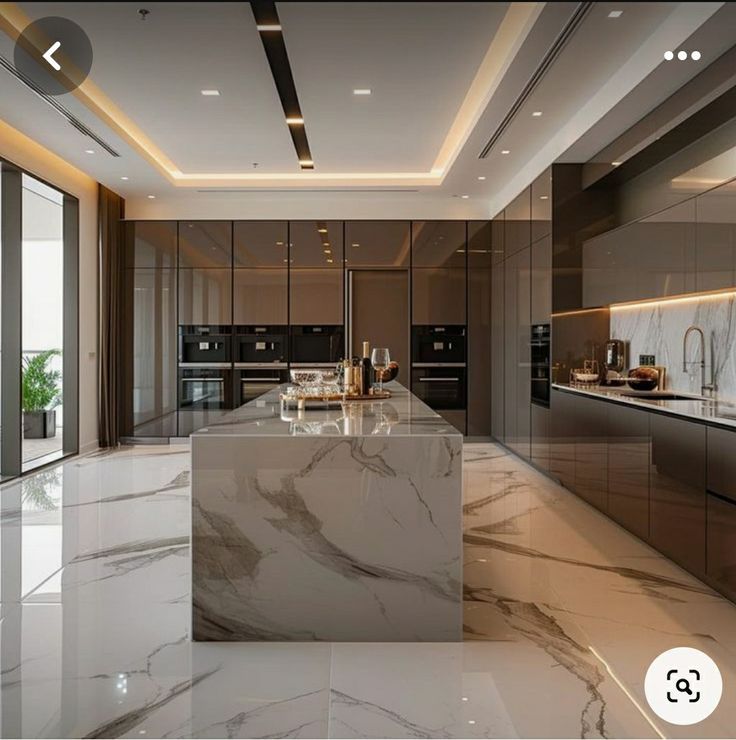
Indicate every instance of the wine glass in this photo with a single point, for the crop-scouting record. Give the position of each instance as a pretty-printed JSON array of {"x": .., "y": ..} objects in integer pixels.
[{"x": 380, "y": 360}]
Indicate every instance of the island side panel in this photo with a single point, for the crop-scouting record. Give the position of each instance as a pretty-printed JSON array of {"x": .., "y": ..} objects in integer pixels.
[{"x": 354, "y": 539}]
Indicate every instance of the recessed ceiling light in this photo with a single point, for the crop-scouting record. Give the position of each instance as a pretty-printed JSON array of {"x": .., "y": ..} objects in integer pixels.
[
  {"x": 465, "y": 196},
  {"x": 269, "y": 27},
  {"x": 615, "y": 164},
  {"x": 151, "y": 197},
  {"x": 362, "y": 91},
  {"x": 695, "y": 55},
  {"x": 505, "y": 151},
  {"x": 89, "y": 151},
  {"x": 537, "y": 113},
  {"x": 615, "y": 13},
  {"x": 544, "y": 197},
  {"x": 682, "y": 55},
  {"x": 210, "y": 93},
  {"x": 481, "y": 177},
  {"x": 306, "y": 163},
  {"x": 295, "y": 121},
  {"x": 124, "y": 178}
]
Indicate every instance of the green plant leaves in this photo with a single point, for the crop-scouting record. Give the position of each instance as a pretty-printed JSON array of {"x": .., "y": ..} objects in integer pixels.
[{"x": 41, "y": 389}]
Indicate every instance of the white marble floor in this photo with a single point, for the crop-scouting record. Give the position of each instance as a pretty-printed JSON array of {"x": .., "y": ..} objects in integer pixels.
[{"x": 564, "y": 612}]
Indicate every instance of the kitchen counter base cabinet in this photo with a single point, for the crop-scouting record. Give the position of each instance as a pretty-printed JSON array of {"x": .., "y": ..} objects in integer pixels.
[
  {"x": 677, "y": 491},
  {"x": 563, "y": 430},
  {"x": 540, "y": 436},
  {"x": 591, "y": 452},
  {"x": 327, "y": 527},
  {"x": 628, "y": 468}
]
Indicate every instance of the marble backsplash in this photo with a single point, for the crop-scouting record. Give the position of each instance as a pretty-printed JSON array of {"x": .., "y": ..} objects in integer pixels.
[{"x": 658, "y": 329}]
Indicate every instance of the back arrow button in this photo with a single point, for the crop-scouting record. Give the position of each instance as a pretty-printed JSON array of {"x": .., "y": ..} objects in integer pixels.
[{"x": 48, "y": 55}]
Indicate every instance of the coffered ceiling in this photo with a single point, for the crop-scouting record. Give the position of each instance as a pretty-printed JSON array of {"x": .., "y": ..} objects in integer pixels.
[{"x": 442, "y": 76}]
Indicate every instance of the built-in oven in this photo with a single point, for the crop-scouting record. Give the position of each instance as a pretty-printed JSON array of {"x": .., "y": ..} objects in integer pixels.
[
  {"x": 441, "y": 387},
  {"x": 204, "y": 388},
  {"x": 433, "y": 343},
  {"x": 540, "y": 364},
  {"x": 254, "y": 379},
  {"x": 205, "y": 344},
  {"x": 313, "y": 346}
]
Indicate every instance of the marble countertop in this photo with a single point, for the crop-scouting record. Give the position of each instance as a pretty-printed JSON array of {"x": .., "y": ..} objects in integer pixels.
[
  {"x": 710, "y": 411},
  {"x": 402, "y": 415}
]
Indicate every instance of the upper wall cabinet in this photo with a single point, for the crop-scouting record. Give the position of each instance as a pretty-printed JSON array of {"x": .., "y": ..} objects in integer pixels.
[
  {"x": 438, "y": 244},
  {"x": 150, "y": 244},
  {"x": 260, "y": 244},
  {"x": 651, "y": 258},
  {"x": 518, "y": 223},
  {"x": 381, "y": 244},
  {"x": 205, "y": 244},
  {"x": 316, "y": 270},
  {"x": 498, "y": 239},
  {"x": 715, "y": 255},
  {"x": 541, "y": 206},
  {"x": 438, "y": 272}
]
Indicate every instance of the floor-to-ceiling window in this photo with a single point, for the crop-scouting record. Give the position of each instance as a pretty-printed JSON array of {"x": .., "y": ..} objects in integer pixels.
[
  {"x": 42, "y": 334},
  {"x": 38, "y": 322}
]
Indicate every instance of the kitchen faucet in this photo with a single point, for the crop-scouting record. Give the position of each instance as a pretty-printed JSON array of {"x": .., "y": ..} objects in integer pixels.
[{"x": 705, "y": 388}]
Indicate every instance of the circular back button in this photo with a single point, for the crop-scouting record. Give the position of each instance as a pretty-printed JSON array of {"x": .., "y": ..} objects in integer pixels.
[{"x": 55, "y": 53}]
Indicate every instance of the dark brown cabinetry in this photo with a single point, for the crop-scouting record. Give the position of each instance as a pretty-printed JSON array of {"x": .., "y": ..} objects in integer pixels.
[
  {"x": 591, "y": 451},
  {"x": 716, "y": 238},
  {"x": 628, "y": 468},
  {"x": 540, "y": 436},
  {"x": 517, "y": 332},
  {"x": 541, "y": 207},
  {"x": 205, "y": 244},
  {"x": 677, "y": 490},
  {"x": 541, "y": 277},
  {"x": 517, "y": 223},
  {"x": 438, "y": 272},
  {"x": 563, "y": 433},
  {"x": 498, "y": 344},
  {"x": 260, "y": 278},
  {"x": 721, "y": 511},
  {"x": 479, "y": 328},
  {"x": 316, "y": 270}
]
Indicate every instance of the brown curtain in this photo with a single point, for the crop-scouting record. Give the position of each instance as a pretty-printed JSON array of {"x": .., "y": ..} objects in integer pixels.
[{"x": 111, "y": 211}]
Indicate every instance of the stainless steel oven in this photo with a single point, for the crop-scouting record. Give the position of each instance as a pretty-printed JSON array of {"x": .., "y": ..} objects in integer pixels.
[
  {"x": 204, "y": 387},
  {"x": 432, "y": 343},
  {"x": 254, "y": 379},
  {"x": 256, "y": 345},
  {"x": 440, "y": 386}
]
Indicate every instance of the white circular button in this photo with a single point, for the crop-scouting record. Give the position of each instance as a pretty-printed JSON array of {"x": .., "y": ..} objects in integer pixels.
[
  {"x": 669, "y": 55},
  {"x": 682, "y": 55},
  {"x": 683, "y": 686}
]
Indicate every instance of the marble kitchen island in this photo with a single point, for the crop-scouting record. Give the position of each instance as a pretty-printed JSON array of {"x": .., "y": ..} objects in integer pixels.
[{"x": 340, "y": 524}]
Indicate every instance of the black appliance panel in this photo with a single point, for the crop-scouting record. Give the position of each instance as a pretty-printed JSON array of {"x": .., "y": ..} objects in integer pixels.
[
  {"x": 204, "y": 389},
  {"x": 205, "y": 344},
  {"x": 254, "y": 382},
  {"x": 441, "y": 388},
  {"x": 432, "y": 344},
  {"x": 540, "y": 364},
  {"x": 261, "y": 344},
  {"x": 316, "y": 344}
]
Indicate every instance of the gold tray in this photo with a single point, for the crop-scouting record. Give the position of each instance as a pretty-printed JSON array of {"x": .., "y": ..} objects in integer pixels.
[{"x": 334, "y": 398}]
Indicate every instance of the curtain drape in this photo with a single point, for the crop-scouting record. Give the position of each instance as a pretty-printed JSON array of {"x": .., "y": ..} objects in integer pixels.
[{"x": 111, "y": 211}]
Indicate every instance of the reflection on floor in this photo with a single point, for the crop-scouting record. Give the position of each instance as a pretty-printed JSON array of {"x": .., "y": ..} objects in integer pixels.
[
  {"x": 564, "y": 612},
  {"x": 32, "y": 449}
]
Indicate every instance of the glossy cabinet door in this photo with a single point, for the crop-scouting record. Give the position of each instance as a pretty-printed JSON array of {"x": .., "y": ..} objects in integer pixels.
[
  {"x": 716, "y": 238},
  {"x": 677, "y": 490},
  {"x": 384, "y": 244},
  {"x": 721, "y": 565},
  {"x": 150, "y": 245},
  {"x": 541, "y": 206},
  {"x": 541, "y": 277},
  {"x": 628, "y": 468},
  {"x": 479, "y": 329},
  {"x": 721, "y": 510},
  {"x": 260, "y": 244},
  {"x": 563, "y": 433},
  {"x": 517, "y": 223},
  {"x": 439, "y": 252},
  {"x": 591, "y": 451},
  {"x": 205, "y": 296},
  {"x": 498, "y": 349},
  {"x": 205, "y": 244},
  {"x": 540, "y": 436},
  {"x": 524, "y": 359},
  {"x": 498, "y": 238},
  {"x": 316, "y": 270}
]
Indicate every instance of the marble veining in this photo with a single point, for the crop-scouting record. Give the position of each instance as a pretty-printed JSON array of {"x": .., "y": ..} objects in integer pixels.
[
  {"x": 327, "y": 538},
  {"x": 658, "y": 329},
  {"x": 563, "y": 611}
]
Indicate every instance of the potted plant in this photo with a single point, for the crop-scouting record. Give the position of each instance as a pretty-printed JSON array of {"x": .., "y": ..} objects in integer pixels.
[{"x": 41, "y": 395}]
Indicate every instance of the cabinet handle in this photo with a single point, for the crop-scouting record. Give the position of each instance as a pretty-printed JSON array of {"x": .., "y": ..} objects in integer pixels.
[{"x": 439, "y": 380}]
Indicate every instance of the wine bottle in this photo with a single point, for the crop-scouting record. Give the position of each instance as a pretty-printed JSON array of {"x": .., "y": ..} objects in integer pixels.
[{"x": 367, "y": 375}]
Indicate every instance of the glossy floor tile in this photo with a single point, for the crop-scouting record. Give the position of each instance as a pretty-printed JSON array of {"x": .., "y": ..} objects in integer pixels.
[{"x": 564, "y": 611}]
